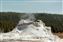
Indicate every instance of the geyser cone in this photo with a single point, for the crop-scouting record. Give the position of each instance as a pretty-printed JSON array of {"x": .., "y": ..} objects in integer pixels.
[{"x": 27, "y": 29}]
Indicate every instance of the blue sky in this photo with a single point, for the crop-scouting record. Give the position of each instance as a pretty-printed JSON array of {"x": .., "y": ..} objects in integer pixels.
[{"x": 32, "y": 6}]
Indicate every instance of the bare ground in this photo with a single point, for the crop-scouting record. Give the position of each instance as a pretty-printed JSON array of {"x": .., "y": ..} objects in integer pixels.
[
  {"x": 59, "y": 34},
  {"x": 19, "y": 41}
]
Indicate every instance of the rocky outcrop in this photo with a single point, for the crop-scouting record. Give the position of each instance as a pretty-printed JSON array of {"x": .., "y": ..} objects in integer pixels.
[{"x": 29, "y": 30}]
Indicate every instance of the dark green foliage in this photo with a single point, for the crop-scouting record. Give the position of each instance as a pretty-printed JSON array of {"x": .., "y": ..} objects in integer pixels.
[
  {"x": 53, "y": 20},
  {"x": 8, "y": 20}
]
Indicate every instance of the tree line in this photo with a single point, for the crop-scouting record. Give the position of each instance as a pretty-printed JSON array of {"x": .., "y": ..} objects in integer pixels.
[{"x": 8, "y": 20}]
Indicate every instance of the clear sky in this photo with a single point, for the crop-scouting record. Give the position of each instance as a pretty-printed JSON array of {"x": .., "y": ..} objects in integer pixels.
[{"x": 31, "y": 6}]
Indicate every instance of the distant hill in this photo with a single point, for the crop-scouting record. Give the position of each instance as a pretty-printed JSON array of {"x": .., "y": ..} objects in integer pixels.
[{"x": 8, "y": 20}]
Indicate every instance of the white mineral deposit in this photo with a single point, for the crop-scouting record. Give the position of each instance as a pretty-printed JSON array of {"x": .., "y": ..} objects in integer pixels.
[{"x": 27, "y": 30}]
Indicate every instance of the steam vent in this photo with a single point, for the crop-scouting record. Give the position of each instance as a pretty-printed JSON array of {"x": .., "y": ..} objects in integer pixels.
[{"x": 29, "y": 31}]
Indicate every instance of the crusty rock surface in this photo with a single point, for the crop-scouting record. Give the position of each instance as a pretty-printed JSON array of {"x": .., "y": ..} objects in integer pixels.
[{"x": 30, "y": 32}]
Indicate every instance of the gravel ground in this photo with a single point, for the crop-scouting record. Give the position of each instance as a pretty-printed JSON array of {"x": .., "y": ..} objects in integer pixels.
[
  {"x": 19, "y": 41},
  {"x": 58, "y": 40}
]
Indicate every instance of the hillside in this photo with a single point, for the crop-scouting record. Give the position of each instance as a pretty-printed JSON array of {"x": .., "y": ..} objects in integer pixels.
[{"x": 8, "y": 20}]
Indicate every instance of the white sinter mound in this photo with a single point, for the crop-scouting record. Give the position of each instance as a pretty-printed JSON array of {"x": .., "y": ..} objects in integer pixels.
[{"x": 29, "y": 30}]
